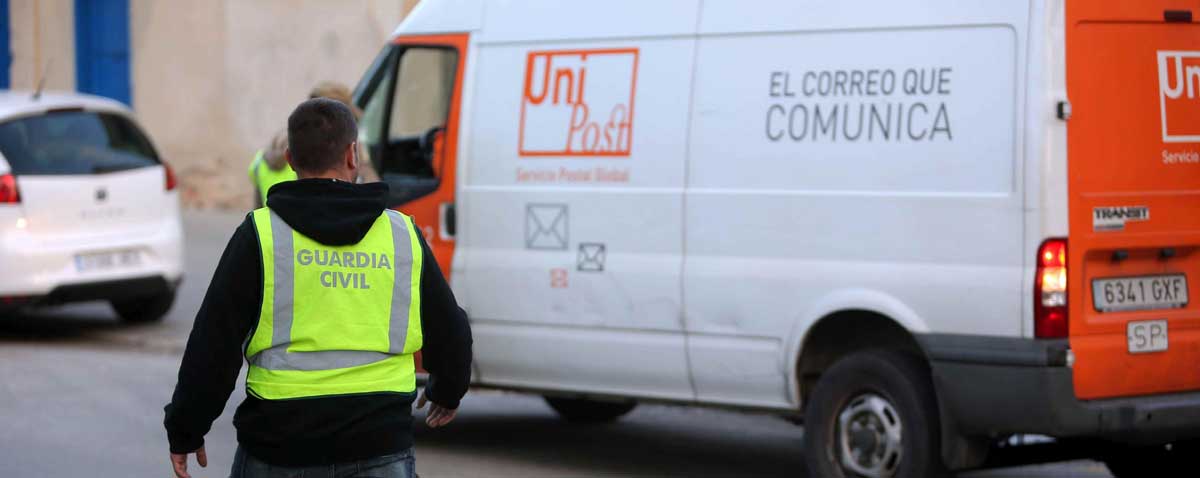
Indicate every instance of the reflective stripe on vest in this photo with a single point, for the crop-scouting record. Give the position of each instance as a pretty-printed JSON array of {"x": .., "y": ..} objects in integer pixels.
[{"x": 322, "y": 328}]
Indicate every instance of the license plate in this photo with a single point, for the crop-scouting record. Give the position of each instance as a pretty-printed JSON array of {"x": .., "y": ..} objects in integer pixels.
[
  {"x": 98, "y": 261},
  {"x": 1146, "y": 336},
  {"x": 1140, "y": 293}
]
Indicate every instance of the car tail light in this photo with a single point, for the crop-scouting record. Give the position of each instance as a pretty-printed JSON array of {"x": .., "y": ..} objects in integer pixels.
[
  {"x": 1050, "y": 290},
  {"x": 8, "y": 189},
  {"x": 170, "y": 177},
  {"x": 18, "y": 300}
]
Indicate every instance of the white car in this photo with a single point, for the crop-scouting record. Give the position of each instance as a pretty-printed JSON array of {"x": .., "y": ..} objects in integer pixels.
[{"x": 88, "y": 211}]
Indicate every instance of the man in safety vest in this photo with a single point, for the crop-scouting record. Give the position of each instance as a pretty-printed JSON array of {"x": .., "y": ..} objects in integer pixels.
[
  {"x": 326, "y": 294},
  {"x": 269, "y": 167}
]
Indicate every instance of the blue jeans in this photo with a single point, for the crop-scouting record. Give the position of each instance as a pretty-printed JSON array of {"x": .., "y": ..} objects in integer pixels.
[{"x": 399, "y": 465}]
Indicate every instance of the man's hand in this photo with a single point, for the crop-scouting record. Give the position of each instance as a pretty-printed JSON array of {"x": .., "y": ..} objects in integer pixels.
[
  {"x": 179, "y": 461},
  {"x": 438, "y": 415}
]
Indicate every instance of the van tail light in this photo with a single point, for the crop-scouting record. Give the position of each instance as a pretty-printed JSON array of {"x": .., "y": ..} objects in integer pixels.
[
  {"x": 170, "y": 177},
  {"x": 8, "y": 190},
  {"x": 1050, "y": 291}
]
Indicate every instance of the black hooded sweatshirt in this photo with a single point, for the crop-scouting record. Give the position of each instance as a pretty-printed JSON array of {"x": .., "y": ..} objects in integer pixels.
[{"x": 309, "y": 431}]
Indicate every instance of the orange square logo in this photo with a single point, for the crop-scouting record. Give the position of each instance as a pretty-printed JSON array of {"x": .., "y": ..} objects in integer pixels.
[
  {"x": 1179, "y": 95},
  {"x": 578, "y": 102}
]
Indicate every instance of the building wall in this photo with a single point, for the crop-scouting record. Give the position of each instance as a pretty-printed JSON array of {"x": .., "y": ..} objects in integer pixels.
[
  {"x": 42, "y": 39},
  {"x": 213, "y": 80},
  {"x": 180, "y": 95}
]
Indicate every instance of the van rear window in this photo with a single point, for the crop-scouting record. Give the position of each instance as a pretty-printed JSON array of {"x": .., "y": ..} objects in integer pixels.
[{"x": 74, "y": 142}]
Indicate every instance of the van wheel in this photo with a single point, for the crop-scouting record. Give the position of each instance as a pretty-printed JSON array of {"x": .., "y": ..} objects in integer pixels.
[
  {"x": 144, "y": 309},
  {"x": 583, "y": 410},
  {"x": 873, "y": 414},
  {"x": 1157, "y": 461}
]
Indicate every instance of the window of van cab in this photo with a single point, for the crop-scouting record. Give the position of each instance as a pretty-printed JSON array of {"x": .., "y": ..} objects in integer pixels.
[{"x": 405, "y": 98}]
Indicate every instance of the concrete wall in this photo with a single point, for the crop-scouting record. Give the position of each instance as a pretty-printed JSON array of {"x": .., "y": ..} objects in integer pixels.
[
  {"x": 180, "y": 95},
  {"x": 42, "y": 39},
  {"x": 214, "y": 80}
]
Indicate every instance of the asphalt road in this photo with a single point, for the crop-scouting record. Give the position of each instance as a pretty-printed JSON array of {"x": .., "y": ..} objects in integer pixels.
[{"x": 81, "y": 395}]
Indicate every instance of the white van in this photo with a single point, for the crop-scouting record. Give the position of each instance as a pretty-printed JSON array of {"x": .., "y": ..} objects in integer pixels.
[{"x": 921, "y": 226}]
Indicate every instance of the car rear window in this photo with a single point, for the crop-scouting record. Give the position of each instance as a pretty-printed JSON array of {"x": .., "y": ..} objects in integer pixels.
[{"x": 74, "y": 142}]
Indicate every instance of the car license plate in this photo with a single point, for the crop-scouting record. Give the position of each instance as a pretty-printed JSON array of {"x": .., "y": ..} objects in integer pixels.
[
  {"x": 1140, "y": 293},
  {"x": 1146, "y": 336},
  {"x": 107, "y": 260}
]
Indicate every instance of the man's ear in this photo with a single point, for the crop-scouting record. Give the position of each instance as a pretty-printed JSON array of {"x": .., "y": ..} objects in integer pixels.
[
  {"x": 287, "y": 155},
  {"x": 352, "y": 157}
]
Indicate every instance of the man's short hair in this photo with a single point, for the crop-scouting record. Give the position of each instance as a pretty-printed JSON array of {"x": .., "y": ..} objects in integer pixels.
[{"x": 319, "y": 130}]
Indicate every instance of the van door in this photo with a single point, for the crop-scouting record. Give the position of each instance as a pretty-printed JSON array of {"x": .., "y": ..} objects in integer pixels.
[
  {"x": 409, "y": 129},
  {"x": 847, "y": 169},
  {"x": 572, "y": 236},
  {"x": 1133, "y": 78}
]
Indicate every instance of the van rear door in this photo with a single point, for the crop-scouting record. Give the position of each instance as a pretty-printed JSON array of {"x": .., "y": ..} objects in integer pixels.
[{"x": 1133, "y": 79}]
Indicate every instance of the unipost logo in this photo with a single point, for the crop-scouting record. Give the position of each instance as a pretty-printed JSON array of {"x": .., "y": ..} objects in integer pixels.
[
  {"x": 1179, "y": 95},
  {"x": 578, "y": 102}
]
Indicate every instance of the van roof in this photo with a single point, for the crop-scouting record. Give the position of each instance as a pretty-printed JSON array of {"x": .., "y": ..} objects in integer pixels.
[
  {"x": 442, "y": 16},
  {"x": 493, "y": 21}
]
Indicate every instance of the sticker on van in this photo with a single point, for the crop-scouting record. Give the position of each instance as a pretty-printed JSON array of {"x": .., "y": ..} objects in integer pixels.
[
  {"x": 578, "y": 102},
  {"x": 1114, "y": 218},
  {"x": 1179, "y": 95}
]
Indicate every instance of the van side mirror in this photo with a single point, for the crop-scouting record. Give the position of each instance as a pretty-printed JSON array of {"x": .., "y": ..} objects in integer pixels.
[{"x": 427, "y": 144}]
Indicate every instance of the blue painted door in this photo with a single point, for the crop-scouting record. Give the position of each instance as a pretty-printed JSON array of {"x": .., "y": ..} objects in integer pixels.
[
  {"x": 102, "y": 48},
  {"x": 5, "y": 53}
]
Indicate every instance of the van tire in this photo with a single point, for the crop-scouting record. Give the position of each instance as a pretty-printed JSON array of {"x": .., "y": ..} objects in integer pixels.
[
  {"x": 882, "y": 386},
  {"x": 1156, "y": 461},
  {"x": 144, "y": 309},
  {"x": 583, "y": 410}
]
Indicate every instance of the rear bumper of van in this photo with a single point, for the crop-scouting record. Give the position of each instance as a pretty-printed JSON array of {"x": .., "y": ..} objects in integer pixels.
[{"x": 990, "y": 386}]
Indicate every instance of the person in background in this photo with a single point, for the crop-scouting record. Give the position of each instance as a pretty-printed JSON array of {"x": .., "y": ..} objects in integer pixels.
[{"x": 269, "y": 167}]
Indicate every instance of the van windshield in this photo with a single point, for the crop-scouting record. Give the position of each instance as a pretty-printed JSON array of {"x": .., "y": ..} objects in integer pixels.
[
  {"x": 74, "y": 142},
  {"x": 407, "y": 105}
]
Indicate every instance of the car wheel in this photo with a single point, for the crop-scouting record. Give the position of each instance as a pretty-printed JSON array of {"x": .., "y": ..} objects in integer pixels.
[
  {"x": 1162, "y": 461},
  {"x": 144, "y": 309},
  {"x": 583, "y": 410},
  {"x": 873, "y": 414}
]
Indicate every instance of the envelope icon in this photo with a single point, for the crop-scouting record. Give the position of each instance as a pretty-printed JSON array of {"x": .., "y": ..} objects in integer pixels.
[
  {"x": 546, "y": 226},
  {"x": 591, "y": 257}
]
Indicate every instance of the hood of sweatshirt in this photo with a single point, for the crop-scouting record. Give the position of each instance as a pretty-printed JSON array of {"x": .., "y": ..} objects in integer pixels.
[{"x": 331, "y": 212}]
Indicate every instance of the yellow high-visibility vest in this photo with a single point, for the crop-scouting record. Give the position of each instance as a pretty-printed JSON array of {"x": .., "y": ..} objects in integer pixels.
[
  {"x": 264, "y": 177},
  {"x": 336, "y": 320}
]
